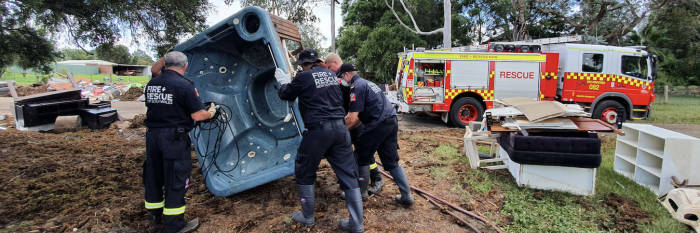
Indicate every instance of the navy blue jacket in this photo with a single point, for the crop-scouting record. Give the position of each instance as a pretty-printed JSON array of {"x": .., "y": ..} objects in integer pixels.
[
  {"x": 320, "y": 97},
  {"x": 369, "y": 101},
  {"x": 170, "y": 100}
]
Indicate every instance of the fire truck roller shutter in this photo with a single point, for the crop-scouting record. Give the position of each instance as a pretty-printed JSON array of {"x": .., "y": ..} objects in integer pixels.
[
  {"x": 469, "y": 75},
  {"x": 517, "y": 79}
]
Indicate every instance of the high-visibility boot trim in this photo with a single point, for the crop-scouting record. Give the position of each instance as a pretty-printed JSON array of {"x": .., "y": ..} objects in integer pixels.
[
  {"x": 174, "y": 211},
  {"x": 154, "y": 205}
]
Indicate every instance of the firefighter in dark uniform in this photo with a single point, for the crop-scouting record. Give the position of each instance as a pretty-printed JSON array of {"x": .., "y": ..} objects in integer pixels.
[
  {"x": 369, "y": 107},
  {"x": 333, "y": 62},
  {"x": 173, "y": 106},
  {"x": 321, "y": 105}
]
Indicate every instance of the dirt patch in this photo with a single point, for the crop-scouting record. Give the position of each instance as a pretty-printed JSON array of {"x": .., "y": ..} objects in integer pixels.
[
  {"x": 90, "y": 180},
  {"x": 57, "y": 182},
  {"x": 627, "y": 214},
  {"x": 23, "y": 90},
  {"x": 138, "y": 121},
  {"x": 132, "y": 94}
]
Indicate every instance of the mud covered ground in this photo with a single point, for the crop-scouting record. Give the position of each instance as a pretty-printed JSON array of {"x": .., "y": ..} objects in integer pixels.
[
  {"x": 91, "y": 181},
  {"x": 23, "y": 90},
  {"x": 132, "y": 94}
]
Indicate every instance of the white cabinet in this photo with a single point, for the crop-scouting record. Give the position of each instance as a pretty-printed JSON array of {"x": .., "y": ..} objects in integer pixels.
[
  {"x": 575, "y": 180},
  {"x": 650, "y": 155}
]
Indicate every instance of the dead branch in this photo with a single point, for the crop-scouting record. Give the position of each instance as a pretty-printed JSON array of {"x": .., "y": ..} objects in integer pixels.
[{"x": 416, "y": 30}]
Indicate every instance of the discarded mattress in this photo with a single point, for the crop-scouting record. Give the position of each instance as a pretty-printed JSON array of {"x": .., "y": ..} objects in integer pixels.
[
  {"x": 555, "y": 149},
  {"x": 232, "y": 64}
]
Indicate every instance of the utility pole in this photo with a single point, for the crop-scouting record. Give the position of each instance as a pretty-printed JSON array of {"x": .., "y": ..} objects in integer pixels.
[
  {"x": 447, "y": 31},
  {"x": 333, "y": 26}
]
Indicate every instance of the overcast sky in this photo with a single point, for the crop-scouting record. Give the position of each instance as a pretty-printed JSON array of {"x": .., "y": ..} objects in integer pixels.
[
  {"x": 221, "y": 11},
  {"x": 322, "y": 11}
]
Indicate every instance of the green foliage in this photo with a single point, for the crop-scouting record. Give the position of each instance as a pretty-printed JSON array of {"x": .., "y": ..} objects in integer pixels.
[
  {"x": 118, "y": 54},
  {"x": 25, "y": 24},
  {"x": 311, "y": 37},
  {"x": 140, "y": 57},
  {"x": 673, "y": 34},
  {"x": 371, "y": 36},
  {"x": 23, "y": 45},
  {"x": 299, "y": 12},
  {"x": 375, "y": 51},
  {"x": 75, "y": 54}
]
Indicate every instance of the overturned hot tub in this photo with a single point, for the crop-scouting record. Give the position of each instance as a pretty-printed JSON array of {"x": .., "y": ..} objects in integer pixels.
[{"x": 233, "y": 64}]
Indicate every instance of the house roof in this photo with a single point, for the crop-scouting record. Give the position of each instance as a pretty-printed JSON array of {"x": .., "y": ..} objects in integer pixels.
[{"x": 86, "y": 62}]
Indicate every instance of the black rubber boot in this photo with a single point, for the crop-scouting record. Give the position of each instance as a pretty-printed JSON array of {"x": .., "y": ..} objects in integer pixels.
[
  {"x": 353, "y": 199},
  {"x": 404, "y": 188},
  {"x": 306, "y": 215},
  {"x": 363, "y": 181},
  {"x": 191, "y": 226},
  {"x": 156, "y": 216},
  {"x": 376, "y": 180}
]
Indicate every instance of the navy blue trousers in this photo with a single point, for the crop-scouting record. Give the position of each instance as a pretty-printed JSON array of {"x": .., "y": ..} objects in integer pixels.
[
  {"x": 331, "y": 140},
  {"x": 166, "y": 173},
  {"x": 383, "y": 140}
]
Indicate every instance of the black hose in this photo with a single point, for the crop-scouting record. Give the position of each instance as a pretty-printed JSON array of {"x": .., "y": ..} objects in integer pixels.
[{"x": 221, "y": 123}]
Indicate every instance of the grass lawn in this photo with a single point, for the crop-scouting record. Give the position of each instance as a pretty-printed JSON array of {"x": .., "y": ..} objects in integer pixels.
[
  {"x": 678, "y": 110},
  {"x": 530, "y": 210},
  {"x": 29, "y": 79}
]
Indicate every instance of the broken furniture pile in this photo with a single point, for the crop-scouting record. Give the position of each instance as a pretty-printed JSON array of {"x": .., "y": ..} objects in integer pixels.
[
  {"x": 39, "y": 112},
  {"x": 657, "y": 158},
  {"x": 544, "y": 144},
  {"x": 95, "y": 91}
]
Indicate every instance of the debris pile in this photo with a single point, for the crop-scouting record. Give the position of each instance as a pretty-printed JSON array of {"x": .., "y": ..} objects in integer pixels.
[
  {"x": 132, "y": 94},
  {"x": 95, "y": 91}
]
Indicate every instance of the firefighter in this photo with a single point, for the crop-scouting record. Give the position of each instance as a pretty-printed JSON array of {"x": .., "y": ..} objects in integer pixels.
[
  {"x": 321, "y": 105},
  {"x": 333, "y": 62},
  {"x": 173, "y": 106},
  {"x": 369, "y": 107}
]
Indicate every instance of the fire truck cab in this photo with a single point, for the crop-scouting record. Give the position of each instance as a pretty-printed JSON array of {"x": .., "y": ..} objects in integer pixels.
[{"x": 610, "y": 82}]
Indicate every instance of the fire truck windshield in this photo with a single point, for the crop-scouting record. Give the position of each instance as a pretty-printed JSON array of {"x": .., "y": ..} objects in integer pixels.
[{"x": 635, "y": 66}]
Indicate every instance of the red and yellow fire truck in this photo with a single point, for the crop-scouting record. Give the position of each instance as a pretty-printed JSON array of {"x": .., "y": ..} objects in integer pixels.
[{"x": 610, "y": 82}]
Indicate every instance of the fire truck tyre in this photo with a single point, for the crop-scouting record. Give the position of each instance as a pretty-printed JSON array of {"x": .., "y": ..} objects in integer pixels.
[
  {"x": 609, "y": 111},
  {"x": 464, "y": 110}
]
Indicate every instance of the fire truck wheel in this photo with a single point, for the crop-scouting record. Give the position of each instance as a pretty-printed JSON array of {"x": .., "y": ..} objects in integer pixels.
[
  {"x": 464, "y": 110},
  {"x": 608, "y": 111}
]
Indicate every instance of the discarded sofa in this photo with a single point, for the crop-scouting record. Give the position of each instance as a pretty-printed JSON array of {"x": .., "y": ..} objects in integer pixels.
[
  {"x": 568, "y": 149},
  {"x": 39, "y": 112}
]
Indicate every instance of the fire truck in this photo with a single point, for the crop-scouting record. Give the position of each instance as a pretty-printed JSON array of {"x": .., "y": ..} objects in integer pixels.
[{"x": 612, "y": 83}]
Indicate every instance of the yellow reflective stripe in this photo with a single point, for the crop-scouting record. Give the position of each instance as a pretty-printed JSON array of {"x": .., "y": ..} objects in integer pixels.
[
  {"x": 174, "y": 211},
  {"x": 480, "y": 56},
  {"x": 608, "y": 50},
  {"x": 155, "y": 205},
  {"x": 372, "y": 166}
]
